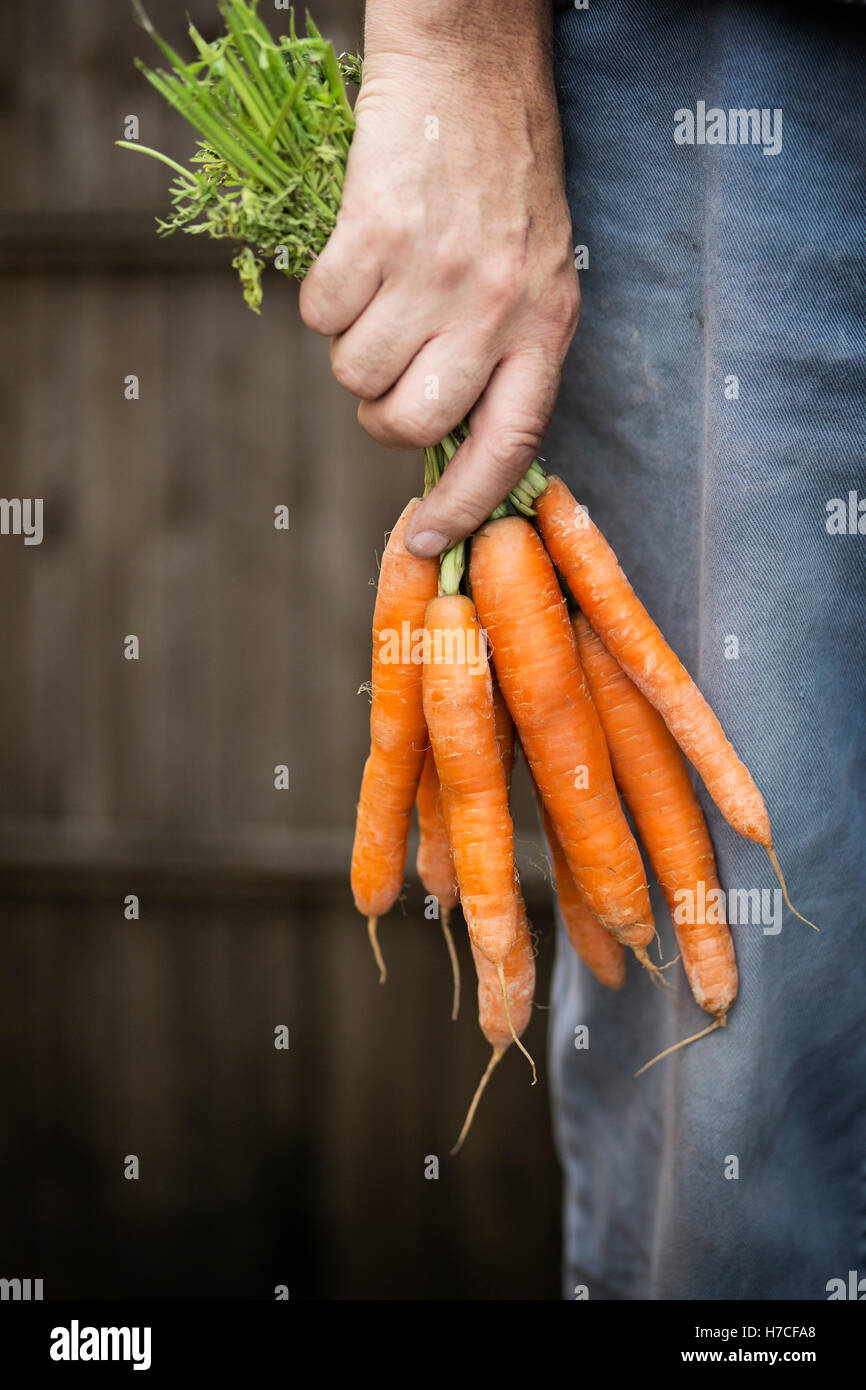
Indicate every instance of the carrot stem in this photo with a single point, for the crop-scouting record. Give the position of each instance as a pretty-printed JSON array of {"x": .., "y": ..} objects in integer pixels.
[
  {"x": 451, "y": 568},
  {"x": 155, "y": 154},
  {"x": 776, "y": 865},
  {"x": 374, "y": 942},
  {"x": 496, "y": 1056},
  {"x": 527, "y": 1055},
  {"x": 455, "y": 964},
  {"x": 719, "y": 1023}
]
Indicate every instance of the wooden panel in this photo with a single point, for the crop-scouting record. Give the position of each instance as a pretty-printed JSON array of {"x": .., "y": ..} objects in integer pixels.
[
  {"x": 156, "y": 776},
  {"x": 260, "y": 1167},
  {"x": 159, "y": 523}
]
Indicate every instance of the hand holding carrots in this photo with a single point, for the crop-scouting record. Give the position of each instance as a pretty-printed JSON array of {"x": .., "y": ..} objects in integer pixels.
[{"x": 448, "y": 285}]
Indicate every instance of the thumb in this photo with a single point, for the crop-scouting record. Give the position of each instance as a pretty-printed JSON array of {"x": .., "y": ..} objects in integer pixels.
[{"x": 507, "y": 427}]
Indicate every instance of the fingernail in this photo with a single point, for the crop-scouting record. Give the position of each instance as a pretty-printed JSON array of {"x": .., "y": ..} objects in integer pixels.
[{"x": 428, "y": 543}]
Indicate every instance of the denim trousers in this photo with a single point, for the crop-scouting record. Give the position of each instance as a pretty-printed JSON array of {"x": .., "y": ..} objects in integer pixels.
[{"x": 713, "y": 419}]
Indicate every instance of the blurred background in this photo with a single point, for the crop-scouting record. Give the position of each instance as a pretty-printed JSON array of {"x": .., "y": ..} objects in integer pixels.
[{"x": 155, "y": 777}]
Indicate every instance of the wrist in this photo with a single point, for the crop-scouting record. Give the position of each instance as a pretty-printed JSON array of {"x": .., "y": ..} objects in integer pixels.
[
  {"x": 490, "y": 76},
  {"x": 472, "y": 36}
]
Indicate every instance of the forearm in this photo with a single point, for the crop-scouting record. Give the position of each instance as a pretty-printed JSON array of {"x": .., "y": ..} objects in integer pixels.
[
  {"x": 499, "y": 54},
  {"x": 473, "y": 31}
]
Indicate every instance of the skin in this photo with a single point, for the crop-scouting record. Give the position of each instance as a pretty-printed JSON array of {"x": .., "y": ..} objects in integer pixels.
[{"x": 451, "y": 265}]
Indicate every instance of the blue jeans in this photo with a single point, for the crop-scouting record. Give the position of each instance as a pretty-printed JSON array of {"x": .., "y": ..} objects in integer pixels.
[{"x": 713, "y": 406}]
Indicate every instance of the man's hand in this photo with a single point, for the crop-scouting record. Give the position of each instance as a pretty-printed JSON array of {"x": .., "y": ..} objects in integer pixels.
[{"x": 448, "y": 284}]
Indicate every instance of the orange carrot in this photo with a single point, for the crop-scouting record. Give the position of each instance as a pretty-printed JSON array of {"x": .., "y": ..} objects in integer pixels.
[
  {"x": 520, "y": 978},
  {"x": 653, "y": 779},
  {"x": 398, "y": 735},
  {"x": 598, "y": 584},
  {"x": 594, "y": 577},
  {"x": 435, "y": 863},
  {"x": 535, "y": 655},
  {"x": 519, "y": 968},
  {"x": 604, "y": 956},
  {"x": 458, "y": 705},
  {"x": 504, "y": 732}
]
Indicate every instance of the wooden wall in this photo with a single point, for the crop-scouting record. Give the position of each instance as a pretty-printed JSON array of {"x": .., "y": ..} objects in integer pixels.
[{"x": 156, "y": 776}]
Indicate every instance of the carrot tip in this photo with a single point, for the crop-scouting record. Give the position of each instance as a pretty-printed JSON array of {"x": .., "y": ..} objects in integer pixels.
[
  {"x": 719, "y": 1023},
  {"x": 455, "y": 964},
  {"x": 527, "y": 1055},
  {"x": 775, "y": 863},
  {"x": 496, "y": 1056},
  {"x": 374, "y": 942}
]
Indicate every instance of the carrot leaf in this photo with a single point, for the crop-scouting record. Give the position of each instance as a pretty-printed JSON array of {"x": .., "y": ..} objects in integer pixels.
[{"x": 275, "y": 125}]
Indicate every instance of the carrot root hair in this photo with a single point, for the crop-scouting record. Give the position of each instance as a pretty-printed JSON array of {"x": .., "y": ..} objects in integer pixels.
[
  {"x": 674, "y": 1047},
  {"x": 655, "y": 971},
  {"x": 374, "y": 942},
  {"x": 496, "y": 1056},
  {"x": 445, "y": 920},
  {"x": 527, "y": 1055},
  {"x": 780, "y": 876}
]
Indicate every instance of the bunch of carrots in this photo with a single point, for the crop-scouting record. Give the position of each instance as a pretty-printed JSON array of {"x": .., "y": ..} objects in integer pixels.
[
  {"x": 603, "y": 710},
  {"x": 581, "y": 676}
]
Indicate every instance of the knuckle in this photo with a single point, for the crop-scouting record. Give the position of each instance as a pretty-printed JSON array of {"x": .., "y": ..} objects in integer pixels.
[
  {"x": 407, "y": 426},
  {"x": 349, "y": 372},
  {"x": 461, "y": 520},
  {"x": 513, "y": 442},
  {"x": 449, "y": 264},
  {"x": 396, "y": 228},
  {"x": 370, "y": 423},
  {"x": 498, "y": 278},
  {"x": 458, "y": 510},
  {"x": 563, "y": 304},
  {"x": 313, "y": 306}
]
